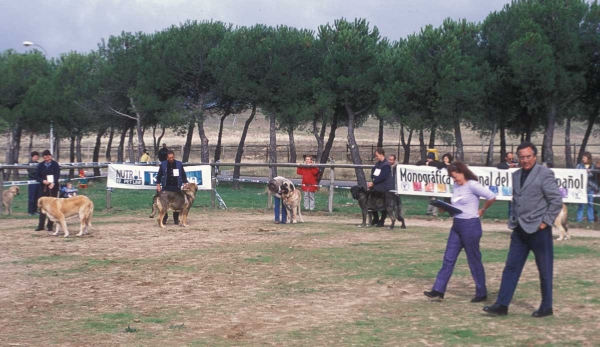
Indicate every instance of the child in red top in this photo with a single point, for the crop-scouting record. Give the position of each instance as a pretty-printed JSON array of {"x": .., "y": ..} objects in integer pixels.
[{"x": 309, "y": 182}]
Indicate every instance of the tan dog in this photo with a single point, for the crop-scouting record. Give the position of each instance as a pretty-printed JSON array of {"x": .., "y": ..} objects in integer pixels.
[
  {"x": 176, "y": 201},
  {"x": 560, "y": 223},
  {"x": 58, "y": 210},
  {"x": 291, "y": 197},
  {"x": 7, "y": 197}
]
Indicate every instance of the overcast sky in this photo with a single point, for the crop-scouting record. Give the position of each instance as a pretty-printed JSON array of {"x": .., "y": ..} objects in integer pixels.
[{"x": 61, "y": 26}]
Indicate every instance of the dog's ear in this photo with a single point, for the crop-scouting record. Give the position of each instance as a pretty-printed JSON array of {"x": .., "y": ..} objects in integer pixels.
[{"x": 292, "y": 187}]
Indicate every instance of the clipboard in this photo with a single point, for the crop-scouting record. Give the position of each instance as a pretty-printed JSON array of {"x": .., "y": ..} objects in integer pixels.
[{"x": 446, "y": 207}]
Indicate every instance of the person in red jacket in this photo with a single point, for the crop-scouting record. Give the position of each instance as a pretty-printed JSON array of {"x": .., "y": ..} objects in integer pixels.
[{"x": 309, "y": 182}]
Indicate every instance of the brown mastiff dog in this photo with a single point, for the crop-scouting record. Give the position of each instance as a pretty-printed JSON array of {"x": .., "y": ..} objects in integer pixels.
[
  {"x": 291, "y": 197},
  {"x": 7, "y": 197},
  {"x": 58, "y": 209},
  {"x": 175, "y": 201}
]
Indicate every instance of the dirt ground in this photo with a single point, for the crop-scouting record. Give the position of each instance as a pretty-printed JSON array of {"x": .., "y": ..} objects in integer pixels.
[{"x": 215, "y": 282}]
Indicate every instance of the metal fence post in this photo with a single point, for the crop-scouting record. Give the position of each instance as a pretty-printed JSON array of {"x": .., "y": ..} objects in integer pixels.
[
  {"x": 212, "y": 193},
  {"x": 331, "y": 180},
  {"x": 108, "y": 197}
]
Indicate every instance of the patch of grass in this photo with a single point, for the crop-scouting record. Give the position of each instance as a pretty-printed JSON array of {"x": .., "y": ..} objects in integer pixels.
[
  {"x": 110, "y": 322},
  {"x": 259, "y": 259},
  {"x": 181, "y": 268},
  {"x": 47, "y": 259}
]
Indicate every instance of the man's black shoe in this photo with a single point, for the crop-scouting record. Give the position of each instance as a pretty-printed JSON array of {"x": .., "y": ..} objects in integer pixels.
[
  {"x": 542, "y": 313},
  {"x": 379, "y": 225},
  {"x": 39, "y": 229},
  {"x": 479, "y": 298},
  {"x": 496, "y": 309},
  {"x": 49, "y": 229},
  {"x": 434, "y": 294}
]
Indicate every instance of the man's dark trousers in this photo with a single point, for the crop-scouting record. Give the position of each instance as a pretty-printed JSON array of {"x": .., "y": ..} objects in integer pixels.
[
  {"x": 540, "y": 242},
  {"x": 34, "y": 195}
]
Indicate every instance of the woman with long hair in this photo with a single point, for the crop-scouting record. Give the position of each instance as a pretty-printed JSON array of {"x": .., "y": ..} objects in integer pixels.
[{"x": 466, "y": 231}]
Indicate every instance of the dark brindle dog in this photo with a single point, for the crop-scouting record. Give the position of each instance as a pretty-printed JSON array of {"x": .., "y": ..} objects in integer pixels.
[
  {"x": 370, "y": 200},
  {"x": 175, "y": 201}
]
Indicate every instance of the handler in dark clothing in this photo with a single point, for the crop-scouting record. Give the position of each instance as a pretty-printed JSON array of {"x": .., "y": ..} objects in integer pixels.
[
  {"x": 47, "y": 174},
  {"x": 171, "y": 176},
  {"x": 382, "y": 181},
  {"x": 163, "y": 152},
  {"x": 33, "y": 189}
]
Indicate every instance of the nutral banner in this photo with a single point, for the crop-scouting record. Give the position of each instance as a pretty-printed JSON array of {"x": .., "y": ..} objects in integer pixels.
[
  {"x": 429, "y": 181},
  {"x": 144, "y": 177}
]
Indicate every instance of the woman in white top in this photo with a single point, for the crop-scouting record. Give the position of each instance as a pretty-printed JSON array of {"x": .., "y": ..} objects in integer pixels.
[{"x": 465, "y": 232}]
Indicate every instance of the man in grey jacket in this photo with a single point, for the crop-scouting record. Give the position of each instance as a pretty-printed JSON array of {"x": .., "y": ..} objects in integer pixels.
[{"x": 536, "y": 203}]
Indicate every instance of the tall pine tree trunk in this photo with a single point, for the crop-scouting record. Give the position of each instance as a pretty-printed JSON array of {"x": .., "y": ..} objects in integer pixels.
[
  {"x": 72, "y": 154},
  {"x": 319, "y": 134},
  {"x": 380, "y": 133},
  {"x": 188, "y": 139},
  {"x": 130, "y": 151},
  {"x": 240, "y": 151},
  {"x": 120, "y": 149},
  {"x": 568, "y": 154},
  {"x": 111, "y": 135},
  {"x": 361, "y": 180},
  {"x": 292, "y": 144},
  {"x": 330, "y": 139},
  {"x": 204, "y": 149},
  {"x": 547, "y": 151},
  {"x": 405, "y": 144},
  {"x": 503, "y": 150},
  {"x": 460, "y": 152},
  {"x": 272, "y": 144},
  {"x": 96, "y": 153},
  {"x": 432, "y": 136},
  {"x": 489, "y": 160},
  {"x": 422, "y": 146},
  {"x": 78, "y": 149},
  {"x": 219, "y": 147}
]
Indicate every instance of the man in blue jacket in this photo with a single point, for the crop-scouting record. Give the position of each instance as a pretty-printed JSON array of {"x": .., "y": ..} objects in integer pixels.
[
  {"x": 382, "y": 180},
  {"x": 171, "y": 176},
  {"x": 47, "y": 175}
]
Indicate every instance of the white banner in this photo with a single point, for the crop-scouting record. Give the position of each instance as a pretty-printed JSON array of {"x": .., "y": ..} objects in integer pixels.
[
  {"x": 428, "y": 181},
  {"x": 144, "y": 177}
]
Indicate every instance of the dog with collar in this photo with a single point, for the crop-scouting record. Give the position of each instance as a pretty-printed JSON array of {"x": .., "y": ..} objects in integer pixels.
[
  {"x": 370, "y": 200},
  {"x": 180, "y": 201},
  {"x": 291, "y": 197}
]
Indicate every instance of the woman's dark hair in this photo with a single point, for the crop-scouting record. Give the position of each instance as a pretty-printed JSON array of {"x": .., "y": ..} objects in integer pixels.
[
  {"x": 449, "y": 156},
  {"x": 587, "y": 155},
  {"x": 460, "y": 167}
]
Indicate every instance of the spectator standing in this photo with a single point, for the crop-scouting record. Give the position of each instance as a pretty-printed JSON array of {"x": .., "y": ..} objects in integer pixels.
[
  {"x": 588, "y": 165},
  {"x": 33, "y": 189},
  {"x": 508, "y": 163},
  {"x": 309, "y": 182},
  {"x": 171, "y": 177},
  {"x": 163, "y": 152},
  {"x": 381, "y": 181},
  {"x": 278, "y": 208},
  {"x": 466, "y": 231},
  {"x": 145, "y": 158},
  {"x": 47, "y": 175},
  {"x": 536, "y": 203},
  {"x": 431, "y": 161}
]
